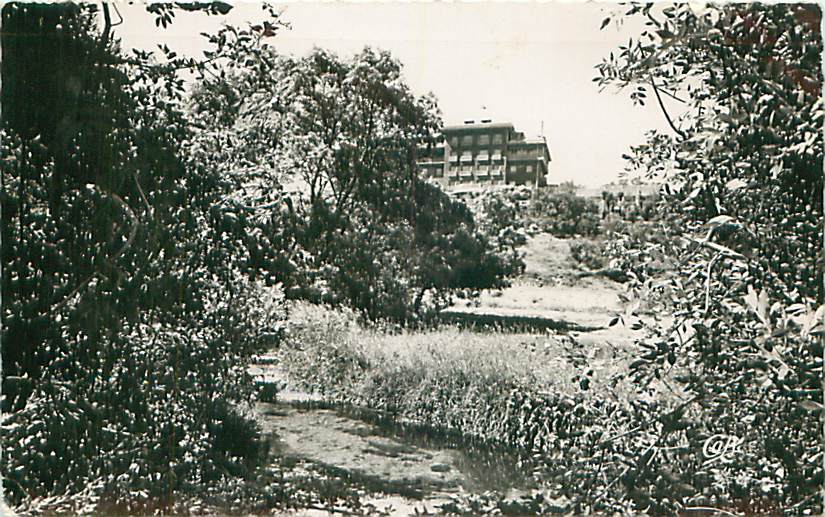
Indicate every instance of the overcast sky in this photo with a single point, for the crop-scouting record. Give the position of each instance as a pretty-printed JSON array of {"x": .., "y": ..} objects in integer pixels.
[{"x": 526, "y": 63}]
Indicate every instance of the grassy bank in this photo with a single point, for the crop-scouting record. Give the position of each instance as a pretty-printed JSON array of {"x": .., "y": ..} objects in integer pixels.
[{"x": 542, "y": 393}]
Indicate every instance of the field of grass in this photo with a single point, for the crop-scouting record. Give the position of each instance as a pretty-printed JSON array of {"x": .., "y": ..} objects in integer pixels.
[{"x": 549, "y": 361}]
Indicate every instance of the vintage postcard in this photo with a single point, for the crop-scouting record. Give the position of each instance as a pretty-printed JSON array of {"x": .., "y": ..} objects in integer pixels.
[{"x": 404, "y": 258}]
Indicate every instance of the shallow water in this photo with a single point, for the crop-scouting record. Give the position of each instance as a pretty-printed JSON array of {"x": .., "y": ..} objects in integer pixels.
[{"x": 401, "y": 464}]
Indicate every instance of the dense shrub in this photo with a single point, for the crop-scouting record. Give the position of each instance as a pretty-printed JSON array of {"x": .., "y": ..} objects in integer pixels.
[
  {"x": 129, "y": 305},
  {"x": 153, "y": 419},
  {"x": 500, "y": 215},
  {"x": 590, "y": 254},
  {"x": 565, "y": 214},
  {"x": 743, "y": 226}
]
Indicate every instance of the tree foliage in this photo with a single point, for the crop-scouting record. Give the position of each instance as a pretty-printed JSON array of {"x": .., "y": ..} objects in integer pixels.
[
  {"x": 743, "y": 207},
  {"x": 336, "y": 141},
  {"x": 128, "y": 313}
]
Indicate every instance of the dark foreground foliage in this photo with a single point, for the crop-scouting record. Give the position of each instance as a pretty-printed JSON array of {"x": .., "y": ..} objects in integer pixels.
[
  {"x": 742, "y": 231},
  {"x": 128, "y": 317}
]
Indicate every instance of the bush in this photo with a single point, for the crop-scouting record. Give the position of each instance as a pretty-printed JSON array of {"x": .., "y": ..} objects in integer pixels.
[
  {"x": 588, "y": 253},
  {"x": 154, "y": 414},
  {"x": 565, "y": 214},
  {"x": 129, "y": 313}
]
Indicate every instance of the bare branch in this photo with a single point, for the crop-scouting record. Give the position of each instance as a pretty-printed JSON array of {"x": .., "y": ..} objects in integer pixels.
[
  {"x": 143, "y": 196},
  {"x": 133, "y": 220},
  {"x": 70, "y": 296},
  {"x": 107, "y": 23},
  {"x": 664, "y": 110},
  {"x": 672, "y": 95}
]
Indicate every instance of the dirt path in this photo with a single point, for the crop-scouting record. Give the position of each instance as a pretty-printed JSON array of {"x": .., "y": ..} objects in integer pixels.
[
  {"x": 412, "y": 476},
  {"x": 550, "y": 289}
]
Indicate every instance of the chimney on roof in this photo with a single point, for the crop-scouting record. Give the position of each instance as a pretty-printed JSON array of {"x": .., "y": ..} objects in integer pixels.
[
  {"x": 470, "y": 121},
  {"x": 486, "y": 120}
]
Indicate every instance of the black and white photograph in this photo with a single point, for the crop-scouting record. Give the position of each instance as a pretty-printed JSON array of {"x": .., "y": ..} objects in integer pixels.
[{"x": 401, "y": 258}]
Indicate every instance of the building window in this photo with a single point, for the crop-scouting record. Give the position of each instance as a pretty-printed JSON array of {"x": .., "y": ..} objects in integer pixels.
[
  {"x": 454, "y": 141},
  {"x": 483, "y": 139},
  {"x": 512, "y": 168},
  {"x": 497, "y": 138},
  {"x": 529, "y": 168},
  {"x": 467, "y": 140}
]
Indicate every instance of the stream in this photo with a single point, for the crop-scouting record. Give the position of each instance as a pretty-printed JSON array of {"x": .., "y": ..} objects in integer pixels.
[{"x": 407, "y": 468}]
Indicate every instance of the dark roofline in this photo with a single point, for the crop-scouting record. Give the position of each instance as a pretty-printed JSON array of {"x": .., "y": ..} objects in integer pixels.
[{"x": 486, "y": 125}]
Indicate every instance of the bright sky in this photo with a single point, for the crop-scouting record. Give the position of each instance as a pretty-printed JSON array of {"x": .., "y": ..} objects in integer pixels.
[{"x": 527, "y": 63}]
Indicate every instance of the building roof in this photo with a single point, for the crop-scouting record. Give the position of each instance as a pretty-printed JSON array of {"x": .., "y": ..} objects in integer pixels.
[{"x": 479, "y": 125}]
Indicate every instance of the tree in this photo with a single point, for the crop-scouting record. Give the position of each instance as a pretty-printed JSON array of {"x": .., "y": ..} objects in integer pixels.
[
  {"x": 128, "y": 316},
  {"x": 744, "y": 195},
  {"x": 342, "y": 136}
]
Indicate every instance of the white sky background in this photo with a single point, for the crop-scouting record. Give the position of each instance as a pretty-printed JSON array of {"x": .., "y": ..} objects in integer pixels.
[{"x": 525, "y": 62}]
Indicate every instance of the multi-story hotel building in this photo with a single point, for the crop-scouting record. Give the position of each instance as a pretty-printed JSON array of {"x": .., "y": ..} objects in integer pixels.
[{"x": 486, "y": 153}]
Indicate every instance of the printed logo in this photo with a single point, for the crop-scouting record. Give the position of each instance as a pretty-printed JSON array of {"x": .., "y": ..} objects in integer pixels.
[{"x": 721, "y": 447}]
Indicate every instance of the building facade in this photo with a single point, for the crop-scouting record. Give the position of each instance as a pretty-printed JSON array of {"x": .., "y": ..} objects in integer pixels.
[{"x": 479, "y": 153}]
